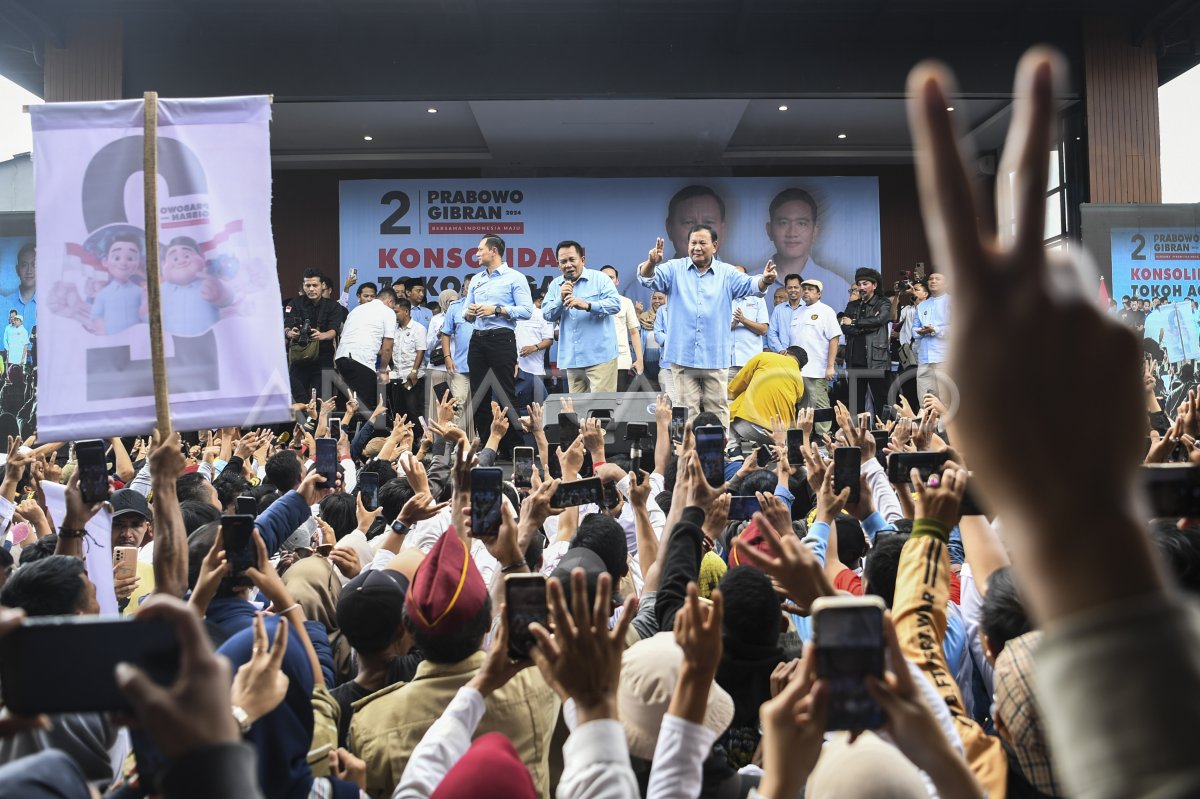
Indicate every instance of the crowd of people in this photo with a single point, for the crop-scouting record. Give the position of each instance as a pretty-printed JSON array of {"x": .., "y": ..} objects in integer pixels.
[{"x": 1038, "y": 639}]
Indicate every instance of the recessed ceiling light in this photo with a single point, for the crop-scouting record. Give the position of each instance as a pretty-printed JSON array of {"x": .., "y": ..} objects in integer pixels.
[
  {"x": 783, "y": 108},
  {"x": 949, "y": 108},
  {"x": 841, "y": 135},
  {"x": 431, "y": 110},
  {"x": 1077, "y": 138},
  {"x": 368, "y": 138}
]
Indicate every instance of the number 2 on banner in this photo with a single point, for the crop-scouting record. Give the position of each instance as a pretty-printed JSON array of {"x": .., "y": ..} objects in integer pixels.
[
  {"x": 389, "y": 226},
  {"x": 1140, "y": 241}
]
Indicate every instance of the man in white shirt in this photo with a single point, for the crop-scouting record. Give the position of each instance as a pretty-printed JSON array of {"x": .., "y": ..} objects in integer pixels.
[
  {"x": 815, "y": 328},
  {"x": 367, "y": 335},
  {"x": 407, "y": 388},
  {"x": 749, "y": 325},
  {"x": 534, "y": 336},
  {"x": 627, "y": 332}
]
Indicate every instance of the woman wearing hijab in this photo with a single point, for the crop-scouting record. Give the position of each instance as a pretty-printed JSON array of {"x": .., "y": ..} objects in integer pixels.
[
  {"x": 284, "y": 736},
  {"x": 314, "y": 585}
]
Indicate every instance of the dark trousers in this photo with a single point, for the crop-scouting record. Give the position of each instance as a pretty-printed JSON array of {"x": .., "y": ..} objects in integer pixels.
[
  {"x": 869, "y": 381},
  {"x": 360, "y": 379},
  {"x": 305, "y": 379},
  {"x": 410, "y": 402},
  {"x": 492, "y": 360}
]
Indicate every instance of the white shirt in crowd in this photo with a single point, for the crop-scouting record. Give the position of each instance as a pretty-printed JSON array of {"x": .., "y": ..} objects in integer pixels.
[
  {"x": 408, "y": 342},
  {"x": 813, "y": 327},
  {"x": 433, "y": 338},
  {"x": 744, "y": 342},
  {"x": 623, "y": 320},
  {"x": 364, "y": 330},
  {"x": 531, "y": 332}
]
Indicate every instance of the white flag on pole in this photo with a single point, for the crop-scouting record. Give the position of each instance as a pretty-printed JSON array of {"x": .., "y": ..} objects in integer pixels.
[{"x": 222, "y": 318}]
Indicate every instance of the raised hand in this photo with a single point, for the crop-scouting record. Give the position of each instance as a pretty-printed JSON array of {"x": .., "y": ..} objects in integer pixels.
[
  {"x": 655, "y": 256},
  {"x": 582, "y": 660},
  {"x": 791, "y": 563}
]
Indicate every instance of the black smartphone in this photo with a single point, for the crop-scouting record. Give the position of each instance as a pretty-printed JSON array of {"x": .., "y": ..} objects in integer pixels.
[
  {"x": 764, "y": 455},
  {"x": 578, "y": 492},
  {"x": 64, "y": 664},
  {"x": 605, "y": 416},
  {"x": 822, "y": 415},
  {"x": 523, "y": 467},
  {"x": 247, "y": 506},
  {"x": 847, "y": 466},
  {"x": 679, "y": 416},
  {"x": 237, "y": 533},
  {"x": 327, "y": 460},
  {"x": 848, "y": 642},
  {"x": 882, "y": 437},
  {"x": 440, "y": 390},
  {"x": 636, "y": 431},
  {"x": 368, "y": 489},
  {"x": 335, "y": 429},
  {"x": 612, "y": 497},
  {"x": 525, "y": 603},
  {"x": 901, "y": 464},
  {"x": 743, "y": 508},
  {"x": 795, "y": 443},
  {"x": 1173, "y": 489},
  {"x": 710, "y": 446},
  {"x": 93, "y": 471},
  {"x": 568, "y": 429},
  {"x": 485, "y": 502},
  {"x": 970, "y": 504}
]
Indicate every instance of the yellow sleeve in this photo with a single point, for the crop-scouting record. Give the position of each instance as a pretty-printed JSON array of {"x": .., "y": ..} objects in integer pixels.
[{"x": 919, "y": 613}]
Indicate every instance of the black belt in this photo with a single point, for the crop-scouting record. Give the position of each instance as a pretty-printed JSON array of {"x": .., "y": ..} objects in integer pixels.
[{"x": 494, "y": 333}]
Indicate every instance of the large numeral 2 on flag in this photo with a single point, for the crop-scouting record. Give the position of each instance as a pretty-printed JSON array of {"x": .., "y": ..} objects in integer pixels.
[{"x": 388, "y": 227}]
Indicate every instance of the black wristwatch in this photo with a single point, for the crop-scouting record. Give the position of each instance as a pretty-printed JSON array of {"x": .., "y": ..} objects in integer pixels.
[{"x": 400, "y": 528}]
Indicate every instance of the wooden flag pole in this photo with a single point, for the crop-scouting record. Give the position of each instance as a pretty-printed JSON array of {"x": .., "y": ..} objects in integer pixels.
[{"x": 162, "y": 405}]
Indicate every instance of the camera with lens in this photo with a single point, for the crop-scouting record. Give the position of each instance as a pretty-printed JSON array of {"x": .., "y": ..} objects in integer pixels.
[{"x": 304, "y": 338}]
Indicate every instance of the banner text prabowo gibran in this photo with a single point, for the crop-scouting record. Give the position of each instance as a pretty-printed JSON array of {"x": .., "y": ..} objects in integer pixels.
[{"x": 395, "y": 230}]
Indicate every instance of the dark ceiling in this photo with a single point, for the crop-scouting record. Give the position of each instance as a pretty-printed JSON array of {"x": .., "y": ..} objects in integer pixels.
[{"x": 586, "y": 82}]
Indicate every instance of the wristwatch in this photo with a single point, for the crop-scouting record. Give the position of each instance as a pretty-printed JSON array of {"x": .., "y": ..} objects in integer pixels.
[
  {"x": 242, "y": 718},
  {"x": 66, "y": 532},
  {"x": 400, "y": 528},
  {"x": 499, "y": 310}
]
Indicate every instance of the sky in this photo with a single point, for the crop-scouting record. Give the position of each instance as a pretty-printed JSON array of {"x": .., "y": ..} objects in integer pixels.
[
  {"x": 1178, "y": 104},
  {"x": 1179, "y": 120},
  {"x": 15, "y": 136}
]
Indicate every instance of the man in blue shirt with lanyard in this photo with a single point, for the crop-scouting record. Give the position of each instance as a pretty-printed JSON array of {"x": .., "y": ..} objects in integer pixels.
[
  {"x": 701, "y": 290},
  {"x": 583, "y": 302},
  {"x": 498, "y": 297}
]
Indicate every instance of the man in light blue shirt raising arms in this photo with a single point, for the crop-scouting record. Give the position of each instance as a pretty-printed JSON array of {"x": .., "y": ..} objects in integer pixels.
[
  {"x": 583, "y": 301},
  {"x": 701, "y": 290},
  {"x": 498, "y": 297}
]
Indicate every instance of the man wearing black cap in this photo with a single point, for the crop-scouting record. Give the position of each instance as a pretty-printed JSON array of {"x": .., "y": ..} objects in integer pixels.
[
  {"x": 131, "y": 522},
  {"x": 370, "y": 613},
  {"x": 865, "y": 324}
]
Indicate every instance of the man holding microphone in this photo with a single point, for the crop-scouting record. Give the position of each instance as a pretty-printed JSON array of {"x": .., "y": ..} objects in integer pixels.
[{"x": 582, "y": 301}]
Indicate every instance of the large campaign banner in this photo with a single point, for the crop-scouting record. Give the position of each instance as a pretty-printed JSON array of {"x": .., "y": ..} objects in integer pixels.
[
  {"x": 820, "y": 227},
  {"x": 1150, "y": 262},
  {"x": 225, "y": 359}
]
